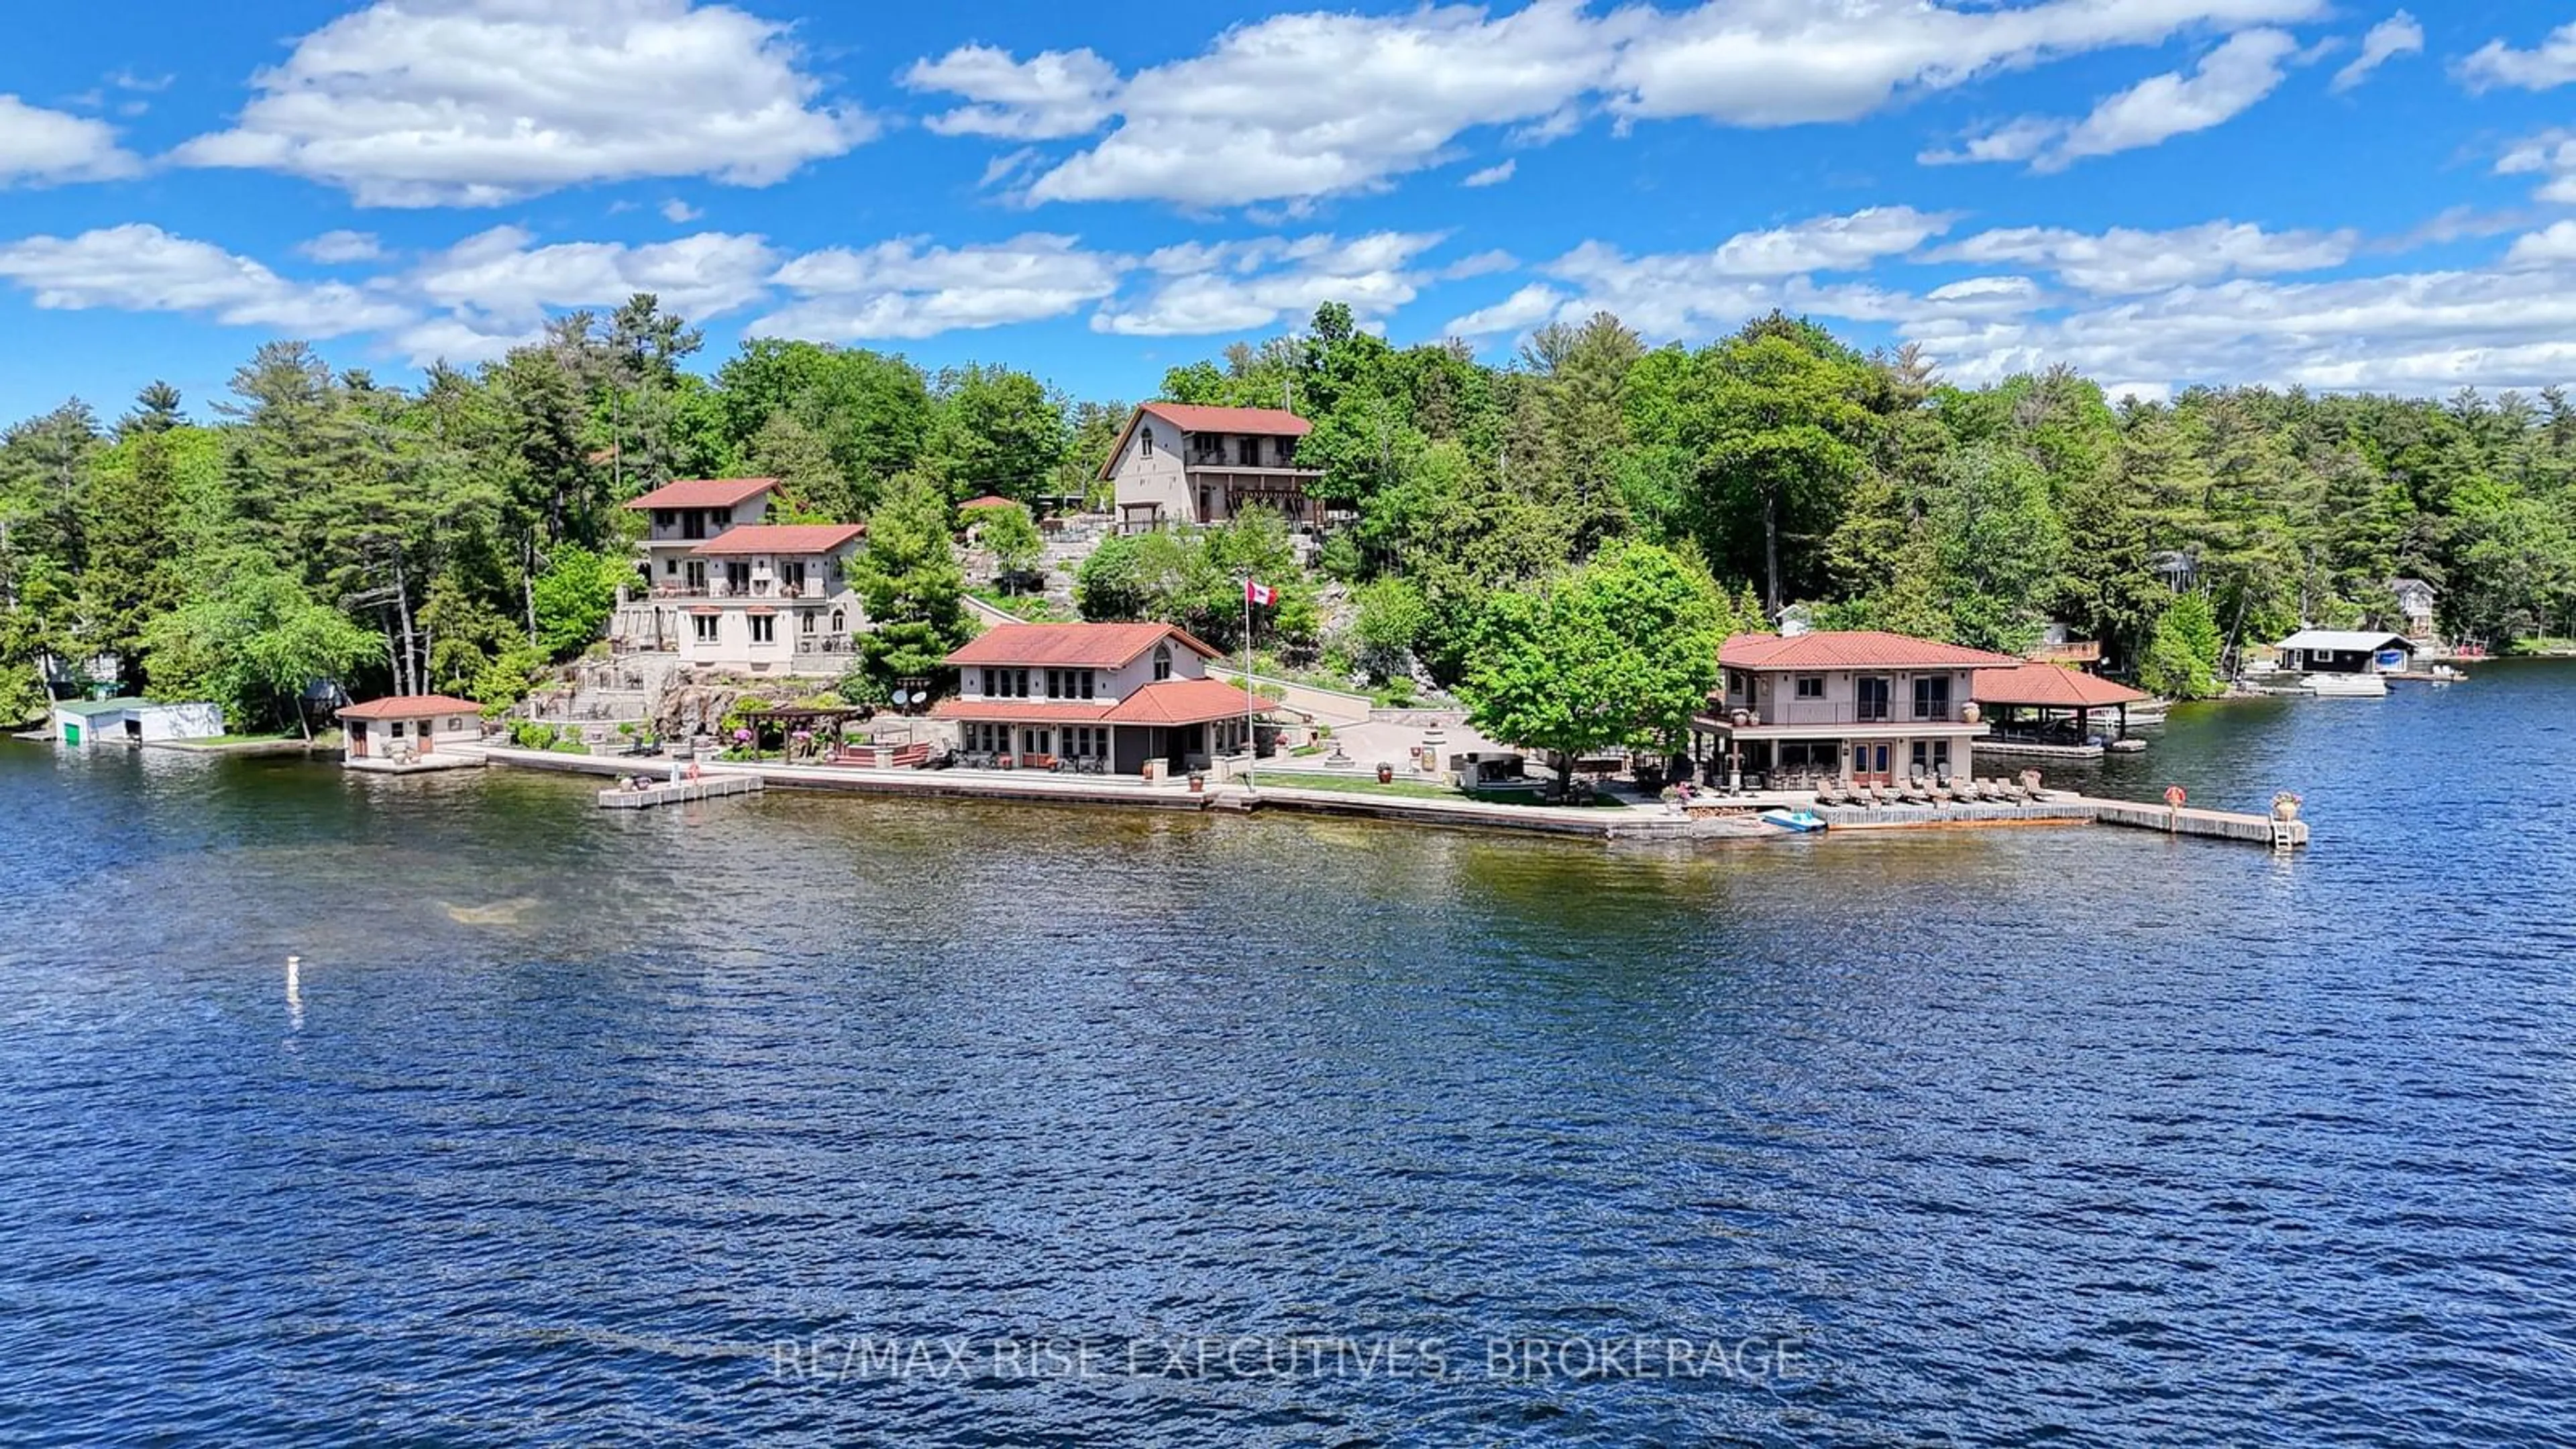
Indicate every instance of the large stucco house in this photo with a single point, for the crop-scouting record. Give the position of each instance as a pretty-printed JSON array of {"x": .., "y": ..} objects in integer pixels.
[
  {"x": 728, "y": 590},
  {"x": 1129, "y": 699},
  {"x": 1182, "y": 463},
  {"x": 1860, "y": 706}
]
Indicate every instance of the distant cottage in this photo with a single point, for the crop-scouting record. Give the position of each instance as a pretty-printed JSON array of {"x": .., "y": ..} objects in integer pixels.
[
  {"x": 728, "y": 590},
  {"x": 131, "y": 721},
  {"x": 1180, "y": 463}
]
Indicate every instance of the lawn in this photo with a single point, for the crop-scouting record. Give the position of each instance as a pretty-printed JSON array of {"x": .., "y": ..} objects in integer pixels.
[{"x": 1357, "y": 785}]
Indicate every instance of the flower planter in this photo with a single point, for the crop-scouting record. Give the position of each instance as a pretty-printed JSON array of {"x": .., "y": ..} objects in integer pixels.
[
  {"x": 1198, "y": 782},
  {"x": 1386, "y": 774}
]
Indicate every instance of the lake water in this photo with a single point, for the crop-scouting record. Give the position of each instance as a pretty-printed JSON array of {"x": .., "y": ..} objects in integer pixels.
[{"x": 804, "y": 1118}]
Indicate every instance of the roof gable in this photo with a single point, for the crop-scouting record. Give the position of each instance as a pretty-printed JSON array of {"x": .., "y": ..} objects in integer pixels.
[
  {"x": 783, "y": 538},
  {"x": 1082, "y": 646},
  {"x": 2050, "y": 686},
  {"x": 409, "y": 706},
  {"x": 703, "y": 493},
  {"x": 1852, "y": 649}
]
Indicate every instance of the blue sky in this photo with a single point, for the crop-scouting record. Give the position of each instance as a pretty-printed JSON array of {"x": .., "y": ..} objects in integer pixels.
[{"x": 2160, "y": 192}]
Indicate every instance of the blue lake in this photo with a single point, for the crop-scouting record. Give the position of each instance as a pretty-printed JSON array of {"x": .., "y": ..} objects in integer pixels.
[{"x": 802, "y": 1118}]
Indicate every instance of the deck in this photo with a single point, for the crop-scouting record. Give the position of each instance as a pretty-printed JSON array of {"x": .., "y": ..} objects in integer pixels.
[{"x": 679, "y": 792}]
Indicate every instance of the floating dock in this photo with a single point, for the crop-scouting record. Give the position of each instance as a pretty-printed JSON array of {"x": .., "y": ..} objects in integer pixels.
[{"x": 680, "y": 792}]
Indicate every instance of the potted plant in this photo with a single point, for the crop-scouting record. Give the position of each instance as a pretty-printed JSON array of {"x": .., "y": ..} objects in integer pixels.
[
  {"x": 2285, "y": 805},
  {"x": 1198, "y": 782},
  {"x": 1385, "y": 773},
  {"x": 1971, "y": 712}
]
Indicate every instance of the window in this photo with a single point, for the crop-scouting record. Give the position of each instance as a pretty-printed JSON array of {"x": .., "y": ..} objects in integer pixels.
[
  {"x": 693, "y": 523},
  {"x": 1247, "y": 452},
  {"x": 1932, "y": 757},
  {"x": 1932, "y": 696},
  {"x": 1872, "y": 692},
  {"x": 670, "y": 566},
  {"x": 1087, "y": 742},
  {"x": 704, "y": 627},
  {"x": 1811, "y": 686},
  {"x": 1006, "y": 684},
  {"x": 764, "y": 629},
  {"x": 1145, "y": 441},
  {"x": 395, "y": 729},
  {"x": 661, "y": 518},
  {"x": 1162, "y": 662},
  {"x": 1068, "y": 683},
  {"x": 840, "y": 624},
  {"x": 806, "y": 622},
  {"x": 793, "y": 575}
]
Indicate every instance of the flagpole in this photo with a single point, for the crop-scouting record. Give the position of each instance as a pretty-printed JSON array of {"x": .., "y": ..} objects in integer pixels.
[{"x": 1251, "y": 735}]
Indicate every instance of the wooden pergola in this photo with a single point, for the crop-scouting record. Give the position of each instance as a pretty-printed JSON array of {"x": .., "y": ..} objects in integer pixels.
[{"x": 813, "y": 720}]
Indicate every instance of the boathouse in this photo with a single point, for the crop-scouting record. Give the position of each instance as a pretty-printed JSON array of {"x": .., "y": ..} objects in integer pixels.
[
  {"x": 2346, "y": 651},
  {"x": 127, "y": 720},
  {"x": 1855, "y": 706},
  {"x": 408, "y": 731},
  {"x": 1128, "y": 699},
  {"x": 2051, "y": 706}
]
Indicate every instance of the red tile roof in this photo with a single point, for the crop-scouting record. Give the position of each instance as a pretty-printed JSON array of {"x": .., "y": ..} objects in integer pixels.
[
  {"x": 410, "y": 706},
  {"x": 1184, "y": 702},
  {"x": 2050, "y": 686},
  {"x": 1021, "y": 711},
  {"x": 1197, "y": 418},
  {"x": 783, "y": 538},
  {"x": 1080, "y": 646},
  {"x": 989, "y": 500},
  {"x": 1852, "y": 649},
  {"x": 703, "y": 493}
]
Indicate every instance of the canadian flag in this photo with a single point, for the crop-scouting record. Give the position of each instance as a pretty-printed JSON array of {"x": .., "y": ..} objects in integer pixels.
[{"x": 1262, "y": 594}]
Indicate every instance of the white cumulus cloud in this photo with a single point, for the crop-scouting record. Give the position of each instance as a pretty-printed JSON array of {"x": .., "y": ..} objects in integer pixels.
[
  {"x": 2397, "y": 35},
  {"x": 911, "y": 288},
  {"x": 1494, "y": 175},
  {"x": 141, "y": 268},
  {"x": 2125, "y": 260},
  {"x": 336, "y": 248},
  {"x": 482, "y": 102},
  {"x": 1052, "y": 94},
  {"x": 1242, "y": 286},
  {"x": 2546, "y": 66},
  {"x": 38, "y": 146}
]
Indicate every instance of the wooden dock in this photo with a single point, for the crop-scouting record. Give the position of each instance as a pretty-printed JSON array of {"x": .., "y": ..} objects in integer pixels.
[
  {"x": 2063, "y": 807},
  {"x": 680, "y": 792}
]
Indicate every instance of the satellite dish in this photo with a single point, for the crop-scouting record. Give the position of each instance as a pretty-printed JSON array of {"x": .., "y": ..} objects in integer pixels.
[{"x": 903, "y": 696}]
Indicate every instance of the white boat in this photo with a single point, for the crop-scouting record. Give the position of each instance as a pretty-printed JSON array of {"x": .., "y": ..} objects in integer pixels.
[{"x": 2365, "y": 685}]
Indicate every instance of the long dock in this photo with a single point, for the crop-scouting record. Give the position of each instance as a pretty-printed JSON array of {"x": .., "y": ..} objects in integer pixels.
[
  {"x": 1711, "y": 819},
  {"x": 679, "y": 792}
]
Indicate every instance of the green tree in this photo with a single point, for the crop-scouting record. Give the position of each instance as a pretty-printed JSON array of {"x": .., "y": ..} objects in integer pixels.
[
  {"x": 995, "y": 431},
  {"x": 1620, "y": 651},
  {"x": 2182, "y": 655},
  {"x": 1012, "y": 537},
  {"x": 574, "y": 597},
  {"x": 250, "y": 639},
  {"x": 910, "y": 582},
  {"x": 133, "y": 575}
]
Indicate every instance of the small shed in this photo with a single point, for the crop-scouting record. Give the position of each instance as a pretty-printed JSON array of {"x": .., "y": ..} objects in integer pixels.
[
  {"x": 407, "y": 729},
  {"x": 127, "y": 720},
  {"x": 2346, "y": 651}
]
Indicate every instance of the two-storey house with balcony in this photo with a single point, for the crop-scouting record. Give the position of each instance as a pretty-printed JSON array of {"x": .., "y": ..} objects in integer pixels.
[
  {"x": 1181, "y": 463},
  {"x": 725, "y": 589},
  {"x": 1863, "y": 707},
  {"x": 1112, "y": 698}
]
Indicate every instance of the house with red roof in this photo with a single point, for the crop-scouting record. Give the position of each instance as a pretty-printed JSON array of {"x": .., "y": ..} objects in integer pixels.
[
  {"x": 726, "y": 589},
  {"x": 1128, "y": 699},
  {"x": 1182, "y": 463},
  {"x": 1856, "y": 706},
  {"x": 407, "y": 732}
]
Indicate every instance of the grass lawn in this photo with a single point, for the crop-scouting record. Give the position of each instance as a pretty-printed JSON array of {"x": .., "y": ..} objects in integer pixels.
[{"x": 1365, "y": 784}]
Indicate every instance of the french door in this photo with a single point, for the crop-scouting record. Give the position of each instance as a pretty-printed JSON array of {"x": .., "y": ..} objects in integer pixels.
[{"x": 1871, "y": 764}]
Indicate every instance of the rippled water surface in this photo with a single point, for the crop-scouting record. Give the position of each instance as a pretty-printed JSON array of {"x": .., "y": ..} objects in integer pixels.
[{"x": 570, "y": 1122}]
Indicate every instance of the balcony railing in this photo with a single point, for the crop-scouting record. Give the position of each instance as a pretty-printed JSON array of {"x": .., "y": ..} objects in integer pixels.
[
  {"x": 756, "y": 589},
  {"x": 1845, "y": 712}
]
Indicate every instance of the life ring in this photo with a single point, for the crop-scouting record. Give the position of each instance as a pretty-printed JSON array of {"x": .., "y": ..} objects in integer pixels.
[{"x": 2174, "y": 796}]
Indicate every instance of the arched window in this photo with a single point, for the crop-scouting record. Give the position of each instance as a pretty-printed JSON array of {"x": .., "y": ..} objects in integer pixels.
[
  {"x": 1145, "y": 441},
  {"x": 840, "y": 624},
  {"x": 1162, "y": 662}
]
